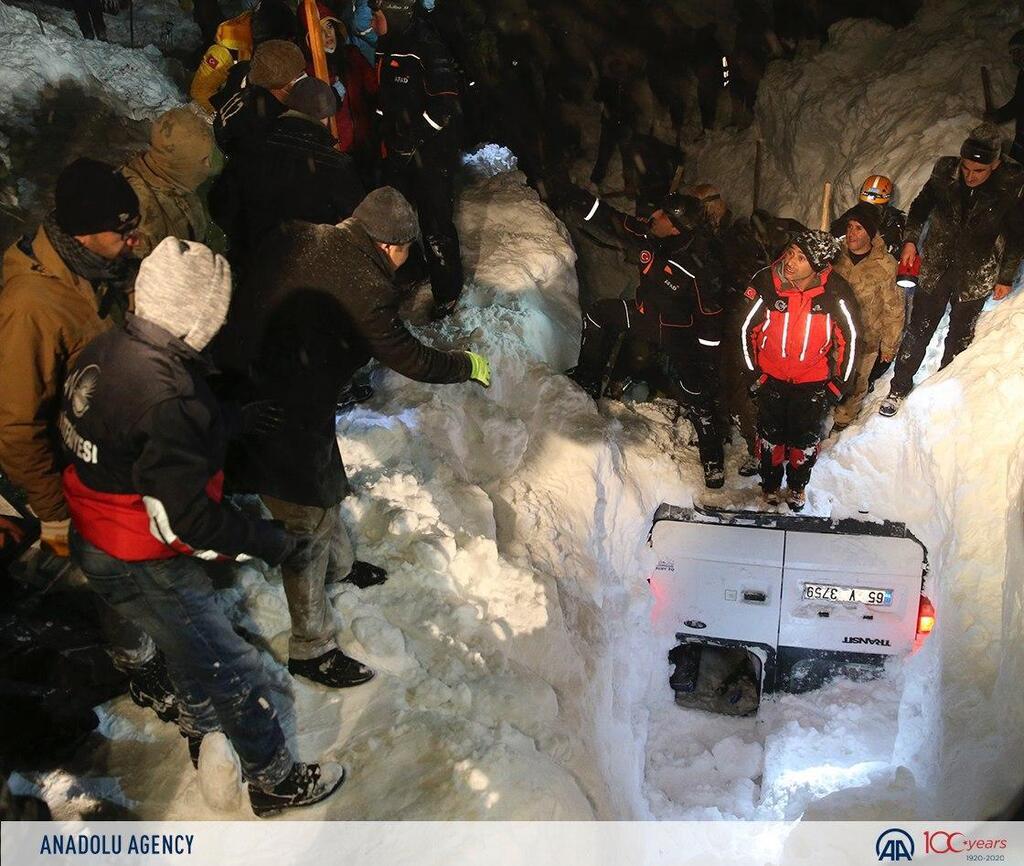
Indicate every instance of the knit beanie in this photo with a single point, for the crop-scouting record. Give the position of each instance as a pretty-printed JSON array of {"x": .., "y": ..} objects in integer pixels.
[
  {"x": 276, "y": 64},
  {"x": 387, "y": 217},
  {"x": 181, "y": 144},
  {"x": 312, "y": 97},
  {"x": 92, "y": 197},
  {"x": 867, "y": 214},
  {"x": 185, "y": 288},
  {"x": 820, "y": 248},
  {"x": 984, "y": 144}
]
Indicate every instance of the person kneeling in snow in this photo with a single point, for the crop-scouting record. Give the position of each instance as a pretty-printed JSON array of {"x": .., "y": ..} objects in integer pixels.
[
  {"x": 145, "y": 443},
  {"x": 320, "y": 303},
  {"x": 800, "y": 340},
  {"x": 677, "y": 308}
]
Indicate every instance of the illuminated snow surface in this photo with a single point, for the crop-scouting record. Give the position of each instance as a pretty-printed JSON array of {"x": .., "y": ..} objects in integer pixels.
[{"x": 516, "y": 674}]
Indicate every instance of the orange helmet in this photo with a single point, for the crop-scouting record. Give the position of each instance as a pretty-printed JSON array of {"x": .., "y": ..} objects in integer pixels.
[{"x": 877, "y": 189}]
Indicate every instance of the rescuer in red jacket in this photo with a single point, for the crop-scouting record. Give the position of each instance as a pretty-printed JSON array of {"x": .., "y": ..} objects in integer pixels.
[{"x": 799, "y": 337}]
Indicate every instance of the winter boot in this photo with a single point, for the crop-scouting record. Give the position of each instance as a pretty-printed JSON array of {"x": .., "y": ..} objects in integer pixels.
[
  {"x": 750, "y": 467},
  {"x": 333, "y": 669},
  {"x": 890, "y": 405},
  {"x": 363, "y": 575},
  {"x": 714, "y": 474},
  {"x": 770, "y": 497},
  {"x": 353, "y": 393},
  {"x": 797, "y": 499},
  {"x": 591, "y": 387},
  {"x": 150, "y": 687},
  {"x": 304, "y": 785}
]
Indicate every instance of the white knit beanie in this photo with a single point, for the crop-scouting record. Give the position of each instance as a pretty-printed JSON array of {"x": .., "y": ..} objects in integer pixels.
[{"x": 185, "y": 288}]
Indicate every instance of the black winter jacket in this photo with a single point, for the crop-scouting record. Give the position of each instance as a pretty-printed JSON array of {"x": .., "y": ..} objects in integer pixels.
[
  {"x": 292, "y": 173},
  {"x": 145, "y": 442},
  {"x": 245, "y": 111},
  {"x": 680, "y": 277},
  {"x": 977, "y": 233},
  {"x": 320, "y": 302},
  {"x": 418, "y": 104}
]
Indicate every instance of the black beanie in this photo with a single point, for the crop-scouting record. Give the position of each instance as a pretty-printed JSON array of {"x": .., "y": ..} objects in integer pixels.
[
  {"x": 867, "y": 214},
  {"x": 388, "y": 217},
  {"x": 820, "y": 248},
  {"x": 983, "y": 145},
  {"x": 93, "y": 197}
]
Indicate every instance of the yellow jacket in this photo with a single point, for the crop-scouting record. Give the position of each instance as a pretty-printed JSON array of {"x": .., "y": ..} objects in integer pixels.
[{"x": 234, "y": 42}]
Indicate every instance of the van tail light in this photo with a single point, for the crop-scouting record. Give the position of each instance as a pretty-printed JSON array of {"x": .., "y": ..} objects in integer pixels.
[{"x": 925, "y": 617}]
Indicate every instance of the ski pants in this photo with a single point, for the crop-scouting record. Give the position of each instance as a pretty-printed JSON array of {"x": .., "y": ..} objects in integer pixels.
[
  {"x": 925, "y": 316},
  {"x": 427, "y": 184},
  {"x": 695, "y": 378},
  {"x": 313, "y": 627},
  {"x": 218, "y": 677},
  {"x": 789, "y": 427},
  {"x": 89, "y": 14}
]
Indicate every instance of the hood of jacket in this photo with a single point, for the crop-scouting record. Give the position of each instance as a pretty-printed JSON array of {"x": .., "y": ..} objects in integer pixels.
[{"x": 180, "y": 154}]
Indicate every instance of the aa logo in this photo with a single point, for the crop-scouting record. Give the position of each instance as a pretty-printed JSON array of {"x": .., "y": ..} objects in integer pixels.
[{"x": 894, "y": 845}]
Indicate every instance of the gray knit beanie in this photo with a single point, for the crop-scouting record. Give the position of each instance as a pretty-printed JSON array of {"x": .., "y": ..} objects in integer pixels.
[
  {"x": 388, "y": 217},
  {"x": 185, "y": 288},
  {"x": 984, "y": 144}
]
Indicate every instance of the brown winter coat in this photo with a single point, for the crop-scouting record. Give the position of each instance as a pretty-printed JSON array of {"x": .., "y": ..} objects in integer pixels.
[
  {"x": 47, "y": 316},
  {"x": 166, "y": 176},
  {"x": 873, "y": 281}
]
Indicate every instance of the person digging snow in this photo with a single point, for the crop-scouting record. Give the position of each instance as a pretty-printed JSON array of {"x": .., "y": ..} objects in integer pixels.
[
  {"x": 321, "y": 302},
  {"x": 145, "y": 442},
  {"x": 972, "y": 206},
  {"x": 800, "y": 339}
]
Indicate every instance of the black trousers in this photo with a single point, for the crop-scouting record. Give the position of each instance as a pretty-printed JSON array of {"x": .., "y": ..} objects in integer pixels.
[
  {"x": 427, "y": 184},
  {"x": 925, "y": 316},
  {"x": 695, "y": 381},
  {"x": 616, "y": 134},
  {"x": 790, "y": 419},
  {"x": 89, "y": 14}
]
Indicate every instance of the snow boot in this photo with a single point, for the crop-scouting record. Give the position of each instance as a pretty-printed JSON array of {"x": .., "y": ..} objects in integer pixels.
[
  {"x": 333, "y": 669},
  {"x": 304, "y": 785},
  {"x": 797, "y": 500},
  {"x": 150, "y": 688},
  {"x": 353, "y": 393},
  {"x": 714, "y": 474},
  {"x": 890, "y": 405},
  {"x": 363, "y": 574},
  {"x": 750, "y": 467}
]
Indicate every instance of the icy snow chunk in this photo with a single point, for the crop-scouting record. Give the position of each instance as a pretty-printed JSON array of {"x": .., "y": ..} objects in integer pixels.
[
  {"x": 736, "y": 759},
  {"x": 384, "y": 644},
  {"x": 489, "y": 160},
  {"x": 220, "y": 774}
]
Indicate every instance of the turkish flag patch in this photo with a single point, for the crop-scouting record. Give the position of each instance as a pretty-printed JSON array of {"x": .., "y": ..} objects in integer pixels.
[
  {"x": 211, "y": 61},
  {"x": 751, "y": 292}
]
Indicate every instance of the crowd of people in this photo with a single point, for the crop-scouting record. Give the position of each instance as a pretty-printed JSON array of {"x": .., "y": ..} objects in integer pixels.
[{"x": 152, "y": 369}]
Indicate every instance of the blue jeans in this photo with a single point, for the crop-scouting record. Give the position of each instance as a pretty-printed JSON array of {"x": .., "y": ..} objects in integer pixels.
[{"x": 217, "y": 675}]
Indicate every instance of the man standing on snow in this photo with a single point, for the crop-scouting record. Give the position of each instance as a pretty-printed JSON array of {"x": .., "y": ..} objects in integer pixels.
[
  {"x": 421, "y": 126},
  {"x": 320, "y": 304},
  {"x": 62, "y": 287},
  {"x": 165, "y": 179},
  {"x": 1013, "y": 109},
  {"x": 871, "y": 273},
  {"x": 800, "y": 339},
  {"x": 677, "y": 307},
  {"x": 972, "y": 205},
  {"x": 145, "y": 442}
]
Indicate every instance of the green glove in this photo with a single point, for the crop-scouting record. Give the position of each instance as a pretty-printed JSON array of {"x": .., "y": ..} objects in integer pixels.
[{"x": 481, "y": 369}]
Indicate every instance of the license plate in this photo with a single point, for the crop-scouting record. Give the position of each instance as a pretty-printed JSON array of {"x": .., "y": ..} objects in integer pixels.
[{"x": 847, "y": 594}]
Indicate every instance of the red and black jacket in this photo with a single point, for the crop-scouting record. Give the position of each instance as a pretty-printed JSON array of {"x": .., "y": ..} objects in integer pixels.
[
  {"x": 418, "y": 96},
  {"x": 144, "y": 440},
  {"x": 800, "y": 337},
  {"x": 680, "y": 277}
]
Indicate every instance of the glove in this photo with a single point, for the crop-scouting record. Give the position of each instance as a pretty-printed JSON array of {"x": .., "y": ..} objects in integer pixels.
[
  {"x": 53, "y": 536},
  {"x": 261, "y": 417},
  {"x": 480, "y": 369},
  {"x": 339, "y": 91}
]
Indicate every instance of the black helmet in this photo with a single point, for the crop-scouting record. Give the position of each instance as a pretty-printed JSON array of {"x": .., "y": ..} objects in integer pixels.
[
  {"x": 397, "y": 12},
  {"x": 684, "y": 211}
]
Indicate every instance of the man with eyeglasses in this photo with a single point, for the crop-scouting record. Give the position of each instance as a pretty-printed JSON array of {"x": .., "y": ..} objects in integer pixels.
[{"x": 62, "y": 287}]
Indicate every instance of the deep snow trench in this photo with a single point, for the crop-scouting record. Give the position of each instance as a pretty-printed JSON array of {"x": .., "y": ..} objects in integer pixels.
[{"x": 517, "y": 675}]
